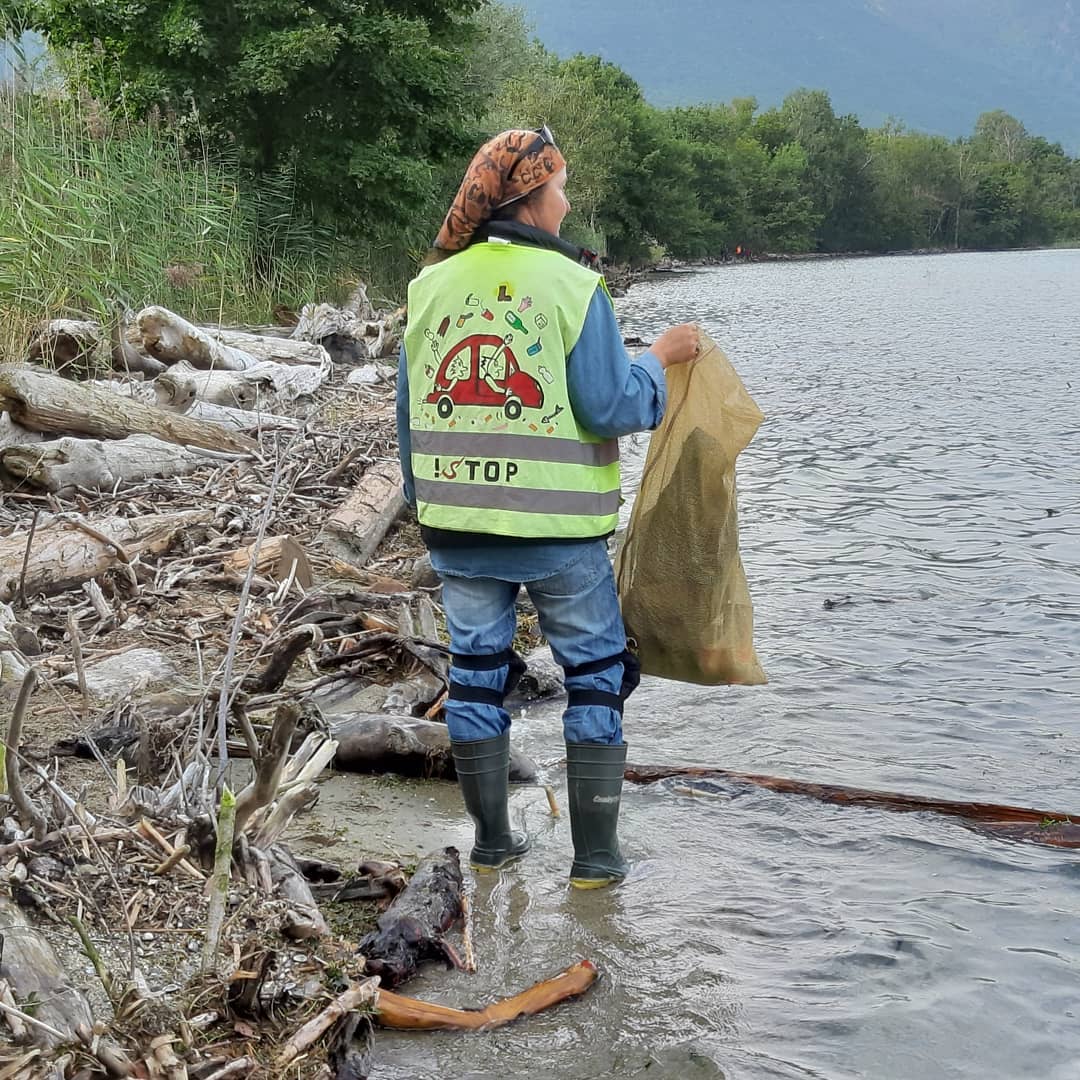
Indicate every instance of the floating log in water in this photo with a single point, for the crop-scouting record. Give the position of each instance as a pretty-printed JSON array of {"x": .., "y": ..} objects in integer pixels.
[
  {"x": 1011, "y": 822},
  {"x": 411, "y": 929},
  {"x": 408, "y": 1014}
]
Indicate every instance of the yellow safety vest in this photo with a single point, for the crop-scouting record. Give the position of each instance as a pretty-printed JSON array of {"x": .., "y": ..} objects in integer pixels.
[{"x": 496, "y": 447}]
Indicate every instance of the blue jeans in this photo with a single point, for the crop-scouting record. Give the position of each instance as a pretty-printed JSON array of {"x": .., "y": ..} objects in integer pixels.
[{"x": 580, "y": 617}]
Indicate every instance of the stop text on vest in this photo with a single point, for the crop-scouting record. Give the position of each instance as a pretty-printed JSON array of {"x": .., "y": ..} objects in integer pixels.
[{"x": 490, "y": 471}]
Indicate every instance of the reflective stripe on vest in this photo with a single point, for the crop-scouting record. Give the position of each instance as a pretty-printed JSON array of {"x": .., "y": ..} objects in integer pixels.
[{"x": 496, "y": 447}]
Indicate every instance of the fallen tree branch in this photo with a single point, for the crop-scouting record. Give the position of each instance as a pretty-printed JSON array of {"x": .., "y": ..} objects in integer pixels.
[
  {"x": 317, "y": 1026},
  {"x": 29, "y": 814},
  {"x": 408, "y": 1014},
  {"x": 269, "y": 767},
  {"x": 1012, "y": 822}
]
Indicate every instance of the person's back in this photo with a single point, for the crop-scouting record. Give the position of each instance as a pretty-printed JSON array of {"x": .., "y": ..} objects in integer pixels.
[{"x": 513, "y": 388}]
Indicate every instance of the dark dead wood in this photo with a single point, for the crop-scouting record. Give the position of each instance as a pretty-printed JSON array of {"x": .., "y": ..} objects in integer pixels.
[
  {"x": 277, "y": 669},
  {"x": 411, "y": 930},
  {"x": 1013, "y": 822},
  {"x": 66, "y": 345},
  {"x": 377, "y": 743}
]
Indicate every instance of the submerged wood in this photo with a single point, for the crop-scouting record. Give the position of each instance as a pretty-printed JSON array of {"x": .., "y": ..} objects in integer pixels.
[
  {"x": 68, "y": 551},
  {"x": 1013, "y": 822},
  {"x": 377, "y": 743},
  {"x": 33, "y": 971},
  {"x": 408, "y": 1014},
  {"x": 46, "y": 402},
  {"x": 98, "y": 465},
  {"x": 411, "y": 930}
]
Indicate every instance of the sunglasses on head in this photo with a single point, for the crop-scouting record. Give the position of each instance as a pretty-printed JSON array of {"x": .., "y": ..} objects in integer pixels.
[{"x": 543, "y": 138}]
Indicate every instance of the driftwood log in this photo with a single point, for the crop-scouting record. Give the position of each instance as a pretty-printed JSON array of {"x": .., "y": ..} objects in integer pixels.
[
  {"x": 1011, "y": 822},
  {"x": 125, "y": 357},
  {"x": 360, "y": 524},
  {"x": 281, "y": 350},
  {"x": 12, "y": 434},
  {"x": 68, "y": 550},
  {"x": 411, "y": 930},
  {"x": 65, "y": 342},
  {"x": 408, "y": 1014},
  {"x": 13, "y": 664},
  {"x": 169, "y": 338},
  {"x": 279, "y": 558},
  {"x": 33, "y": 971},
  {"x": 376, "y": 743},
  {"x": 96, "y": 465},
  {"x": 264, "y": 385},
  {"x": 46, "y": 402}
]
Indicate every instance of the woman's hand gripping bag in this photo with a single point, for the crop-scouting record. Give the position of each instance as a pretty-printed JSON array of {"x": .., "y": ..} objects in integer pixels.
[{"x": 682, "y": 587}]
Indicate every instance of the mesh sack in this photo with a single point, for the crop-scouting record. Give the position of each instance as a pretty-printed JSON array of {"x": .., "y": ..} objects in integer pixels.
[{"x": 682, "y": 587}]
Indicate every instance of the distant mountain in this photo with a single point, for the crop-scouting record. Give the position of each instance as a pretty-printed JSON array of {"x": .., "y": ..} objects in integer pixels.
[{"x": 935, "y": 64}]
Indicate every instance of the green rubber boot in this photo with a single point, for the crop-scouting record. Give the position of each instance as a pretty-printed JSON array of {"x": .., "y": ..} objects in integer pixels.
[
  {"x": 594, "y": 777},
  {"x": 483, "y": 771}
]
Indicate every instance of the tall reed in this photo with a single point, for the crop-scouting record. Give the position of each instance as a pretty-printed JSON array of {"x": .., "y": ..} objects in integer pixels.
[{"x": 95, "y": 209}]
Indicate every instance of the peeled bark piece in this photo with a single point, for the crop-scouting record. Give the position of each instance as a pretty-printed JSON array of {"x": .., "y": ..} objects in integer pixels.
[
  {"x": 64, "y": 555},
  {"x": 277, "y": 556},
  {"x": 378, "y": 743},
  {"x": 265, "y": 385},
  {"x": 410, "y": 930},
  {"x": 98, "y": 465},
  {"x": 46, "y": 402},
  {"x": 409, "y": 1014},
  {"x": 170, "y": 338},
  {"x": 32, "y": 968},
  {"x": 1010, "y": 822}
]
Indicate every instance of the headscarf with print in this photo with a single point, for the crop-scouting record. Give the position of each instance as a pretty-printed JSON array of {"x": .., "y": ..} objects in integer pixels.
[{"x": 505, "y": 169}]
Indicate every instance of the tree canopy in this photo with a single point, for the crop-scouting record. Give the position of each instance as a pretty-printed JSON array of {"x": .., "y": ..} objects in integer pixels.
[{"x": 372, "y": 110}]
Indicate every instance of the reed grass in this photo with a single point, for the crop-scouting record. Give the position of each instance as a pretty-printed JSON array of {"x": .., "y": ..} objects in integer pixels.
[{"x": 96, "y": 209}]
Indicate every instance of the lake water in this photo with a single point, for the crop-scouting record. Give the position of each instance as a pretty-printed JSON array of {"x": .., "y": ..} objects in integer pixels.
[{"x": 920, "y": 455}]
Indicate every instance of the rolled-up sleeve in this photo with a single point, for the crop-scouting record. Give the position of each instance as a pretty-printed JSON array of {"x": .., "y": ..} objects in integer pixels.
[
  {"x": 611, "y": 393},
  {"x": 403, "y": 436}
]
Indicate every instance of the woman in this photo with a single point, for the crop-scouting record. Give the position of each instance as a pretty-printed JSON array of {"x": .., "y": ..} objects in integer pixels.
[{"x": 513, "y": 470}]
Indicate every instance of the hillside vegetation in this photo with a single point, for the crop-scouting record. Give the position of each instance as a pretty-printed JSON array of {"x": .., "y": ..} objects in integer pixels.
[{"x": 227, "y": 166}]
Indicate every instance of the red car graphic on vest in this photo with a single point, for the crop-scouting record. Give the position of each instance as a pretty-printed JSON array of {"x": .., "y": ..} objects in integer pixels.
[{"x": 482, "y": 370}]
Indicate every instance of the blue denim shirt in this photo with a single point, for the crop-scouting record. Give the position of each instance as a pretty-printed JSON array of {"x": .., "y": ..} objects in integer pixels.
[{"x": 611, "y": 395}]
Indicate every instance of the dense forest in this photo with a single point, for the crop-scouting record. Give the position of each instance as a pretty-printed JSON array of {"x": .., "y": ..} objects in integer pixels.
[{"x": 233, "y": 155}]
